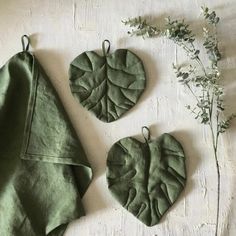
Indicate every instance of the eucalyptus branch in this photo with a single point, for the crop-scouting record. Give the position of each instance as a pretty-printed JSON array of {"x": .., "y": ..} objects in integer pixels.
[{"x": 202, "y": 81}]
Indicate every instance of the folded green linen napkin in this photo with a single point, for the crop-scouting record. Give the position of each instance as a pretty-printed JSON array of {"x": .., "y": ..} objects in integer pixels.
[{"x": 44, "y": 171}]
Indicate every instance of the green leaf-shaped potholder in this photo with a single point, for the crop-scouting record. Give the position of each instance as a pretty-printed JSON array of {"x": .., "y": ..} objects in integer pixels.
[
  {"x": 107, "y": 85},
  {"x": 146, "y": 178}
]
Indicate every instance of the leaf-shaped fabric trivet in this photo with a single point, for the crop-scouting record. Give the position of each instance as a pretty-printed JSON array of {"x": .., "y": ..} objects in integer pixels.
[
  {"x": 146, "y": 178},
  {"x": 107, "y": 85}
]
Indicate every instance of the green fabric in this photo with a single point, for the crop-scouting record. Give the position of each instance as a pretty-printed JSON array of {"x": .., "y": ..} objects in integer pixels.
[
  {"x": 44, "y": 171},
  {"x": 107, "y": 85},
  {"x": 146, "y": 178}
]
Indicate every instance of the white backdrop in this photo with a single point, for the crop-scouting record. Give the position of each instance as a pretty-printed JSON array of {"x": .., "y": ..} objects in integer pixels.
[{"x": 60, "y": 30}]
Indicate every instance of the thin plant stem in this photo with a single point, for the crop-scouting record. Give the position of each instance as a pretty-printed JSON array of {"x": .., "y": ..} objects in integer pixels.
[
  {"x": 215, "y": 147},
  {"x": 214, "y": 144}
]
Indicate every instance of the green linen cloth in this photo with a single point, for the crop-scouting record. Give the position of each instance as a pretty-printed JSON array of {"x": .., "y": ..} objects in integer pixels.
[{"x": 44, "y": 171}]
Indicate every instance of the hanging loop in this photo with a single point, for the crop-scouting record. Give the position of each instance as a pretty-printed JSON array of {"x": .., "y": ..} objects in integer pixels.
[
  {"x": 104, "y": 49},
  {"x": 25, "y": 39},
  {"x": 146, "y": 133}
]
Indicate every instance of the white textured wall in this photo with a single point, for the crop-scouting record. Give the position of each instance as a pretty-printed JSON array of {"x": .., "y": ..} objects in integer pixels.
[{"x": 63, "y": 29}]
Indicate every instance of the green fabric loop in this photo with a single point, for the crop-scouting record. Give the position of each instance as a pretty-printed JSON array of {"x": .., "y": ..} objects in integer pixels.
[
  {"x": 146, "y": 134},
  {"x": 25, "y": 48},
  {"x": 104, "y": 50}
]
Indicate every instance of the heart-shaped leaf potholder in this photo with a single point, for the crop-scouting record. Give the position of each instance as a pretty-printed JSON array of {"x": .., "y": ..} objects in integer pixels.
[
  {"x": 107, "y": 85},
  {"x": 146, "y": 178}
]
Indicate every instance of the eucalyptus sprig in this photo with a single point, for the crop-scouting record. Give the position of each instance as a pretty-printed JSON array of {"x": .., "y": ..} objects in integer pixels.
[{"x": 203, "y": 82}]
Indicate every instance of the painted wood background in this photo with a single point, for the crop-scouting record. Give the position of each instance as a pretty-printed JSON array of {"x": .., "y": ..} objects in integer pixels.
[{"x": 62, "y": 29}]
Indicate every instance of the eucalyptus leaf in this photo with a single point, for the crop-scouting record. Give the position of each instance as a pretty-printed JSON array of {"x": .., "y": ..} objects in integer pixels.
[
  {"x": 146, "y": 178},
  {"x": 107, "y": 85}
]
